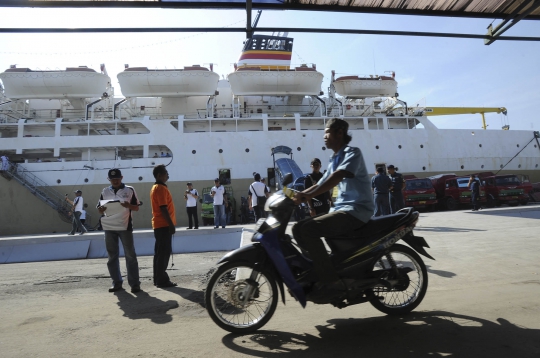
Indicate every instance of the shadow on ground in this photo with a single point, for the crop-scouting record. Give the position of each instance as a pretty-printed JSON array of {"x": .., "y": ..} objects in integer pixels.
[
  {"x": 420, "y": 334},
  {"x": 143, "y": 306},
  {"x": 441, "y": 273}
]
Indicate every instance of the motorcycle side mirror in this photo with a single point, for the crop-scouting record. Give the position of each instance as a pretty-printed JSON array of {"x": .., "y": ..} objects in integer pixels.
[{"x": 287, "y": 180}]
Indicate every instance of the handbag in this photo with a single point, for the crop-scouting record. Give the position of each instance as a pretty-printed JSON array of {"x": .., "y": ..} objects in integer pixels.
[{"x": 261, "y": 200}]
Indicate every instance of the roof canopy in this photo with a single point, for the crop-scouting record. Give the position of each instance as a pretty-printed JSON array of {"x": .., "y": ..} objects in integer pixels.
[{"x": 510, "y": 11}]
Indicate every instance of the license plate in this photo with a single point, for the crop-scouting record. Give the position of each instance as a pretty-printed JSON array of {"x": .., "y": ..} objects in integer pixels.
[{"x": 421, "y": 202}]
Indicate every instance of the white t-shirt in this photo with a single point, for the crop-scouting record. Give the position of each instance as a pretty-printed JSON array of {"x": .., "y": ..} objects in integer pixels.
[
  {"x": 260, "y": 190},
  {"x": 191, "y": 201},
  {"x": 78, "y": 202},
  {"x": 83, "y": 215},
  {"x": 122, "y": 220},
  {"x": 218, "y": 196}
]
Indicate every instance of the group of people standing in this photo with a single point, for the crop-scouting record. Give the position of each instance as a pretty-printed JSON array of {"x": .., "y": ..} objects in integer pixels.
[{"x": 387, "y": 191}]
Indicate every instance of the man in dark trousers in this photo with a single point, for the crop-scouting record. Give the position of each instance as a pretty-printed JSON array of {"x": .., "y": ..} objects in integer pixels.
[
  {"x": 321, "y": 203},
  {"x": 474, "y": 185},
  {"x": 352, "y": 209},
  {"x": 396, "y": 194},
  {"x": 191, "y": 195},
  {"x": 76, "y": 211},
  {"x": 381, "y": 186},
  {"x": 257, "y": 194},
  {"x": 164, "y": 225},
  {"x": 120, "y": 227}
]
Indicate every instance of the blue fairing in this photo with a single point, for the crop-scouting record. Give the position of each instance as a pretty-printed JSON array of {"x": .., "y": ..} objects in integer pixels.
[{"x": 269, "y": 240}]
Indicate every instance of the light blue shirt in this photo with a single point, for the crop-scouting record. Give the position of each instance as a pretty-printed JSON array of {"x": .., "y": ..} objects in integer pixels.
[{"x": 354, "y": 191}]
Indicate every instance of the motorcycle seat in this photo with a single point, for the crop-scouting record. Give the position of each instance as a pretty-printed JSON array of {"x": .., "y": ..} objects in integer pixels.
[{"x": 374, "y": 226}]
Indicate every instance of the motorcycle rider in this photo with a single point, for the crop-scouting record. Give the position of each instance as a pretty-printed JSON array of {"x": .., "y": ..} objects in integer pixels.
[{"x": 352, "y": 209}]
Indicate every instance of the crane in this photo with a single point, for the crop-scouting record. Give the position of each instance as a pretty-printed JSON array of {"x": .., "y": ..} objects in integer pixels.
[{"x": 442, "y": 111}]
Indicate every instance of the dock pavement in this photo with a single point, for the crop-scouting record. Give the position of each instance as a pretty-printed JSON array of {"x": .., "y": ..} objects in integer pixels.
[{"x": 482, "y": 301}]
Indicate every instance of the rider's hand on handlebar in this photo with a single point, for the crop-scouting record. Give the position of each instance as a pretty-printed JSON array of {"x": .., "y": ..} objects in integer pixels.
[{"x": 300, "y": 198}]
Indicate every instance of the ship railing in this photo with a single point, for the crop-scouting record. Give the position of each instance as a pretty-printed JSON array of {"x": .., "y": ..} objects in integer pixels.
[
  {"x": 39, "y": 188},
  {"x": 290, "y": 67}
]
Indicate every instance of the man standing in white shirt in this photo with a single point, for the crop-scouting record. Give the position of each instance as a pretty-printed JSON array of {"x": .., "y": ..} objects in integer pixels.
[
  {"x": 76, "y": 211},
  {"x": 191, "y": 195},
  {"x": 220, "y": 203},
  {"x": 257, "y": 194},
  {"x": 120, "y": 226},
  {"x": 5, "y": 162}
]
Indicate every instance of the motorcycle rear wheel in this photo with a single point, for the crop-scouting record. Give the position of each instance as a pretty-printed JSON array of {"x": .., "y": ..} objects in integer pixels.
[
  {"x": 225, "y": 301},
  {"x": 410, "y": 291}
]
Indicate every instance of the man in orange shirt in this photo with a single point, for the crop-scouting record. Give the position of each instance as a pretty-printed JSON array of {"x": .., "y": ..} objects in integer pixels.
[{"x": 163, "y": 223}]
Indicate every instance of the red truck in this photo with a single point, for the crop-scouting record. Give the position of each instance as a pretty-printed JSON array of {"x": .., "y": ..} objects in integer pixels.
[
  {"x": 453, "y": 191},
  {"x": 419, "y": 193},
  {"x": 505, "y": 189}
]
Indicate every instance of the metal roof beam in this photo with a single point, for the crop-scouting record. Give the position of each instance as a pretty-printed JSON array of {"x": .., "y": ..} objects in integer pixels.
[
  {"x": 261, "y": 29},
  {"x": 515, "y": 17}
]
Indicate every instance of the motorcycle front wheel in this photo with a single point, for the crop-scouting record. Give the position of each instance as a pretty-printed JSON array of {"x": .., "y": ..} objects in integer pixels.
[
  {"x": 409, "y": 283},
  {"x": 239, "y": 299}
]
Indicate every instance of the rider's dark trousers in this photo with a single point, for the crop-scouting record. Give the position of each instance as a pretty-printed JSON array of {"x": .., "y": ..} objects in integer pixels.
[{"x": 308, "y": 233}]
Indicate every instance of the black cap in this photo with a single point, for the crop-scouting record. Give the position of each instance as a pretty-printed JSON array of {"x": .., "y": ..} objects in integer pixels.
[
  {"x": 316, "y": 160},
  {"x": 189, "y": 183},
  {"x": 77, "y": 191},
  {"x": 257, "y": 176},
  {"x": 391, "y": 167},
  {"x": 217, "y": 179},
  {"x": 115, "y": 174}
]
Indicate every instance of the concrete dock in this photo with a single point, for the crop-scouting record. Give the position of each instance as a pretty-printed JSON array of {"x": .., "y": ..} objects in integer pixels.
[{"x": 482, "y": 301}]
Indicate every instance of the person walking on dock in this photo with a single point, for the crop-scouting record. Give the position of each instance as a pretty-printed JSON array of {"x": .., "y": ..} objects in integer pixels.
[
  {"x": 191, "y": 195},
  {"x": 219, "y": 194},
  {"x": 119, "y": 226},
  {"x": 5, "y": 162},
  {"x": 474, "y": 185},
  {"x": 396, "y": 194},
  {"x": 76, "y": 211},
  {"x": 257, "y": 194},
  {"x": 320, "y": 204},
  {"x": 164, "y": 225},
  {"x": 381, "y": 186}
]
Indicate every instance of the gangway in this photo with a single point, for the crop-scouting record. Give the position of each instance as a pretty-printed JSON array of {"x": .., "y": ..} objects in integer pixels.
[{"x": 39, "y": 188}]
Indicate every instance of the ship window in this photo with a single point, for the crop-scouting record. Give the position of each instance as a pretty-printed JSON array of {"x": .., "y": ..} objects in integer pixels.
[
  {"x": 462, "y": 167},
  {"x": 221, "y": 151},
  {"x": 193, "y": 151},
  {"x": 480, "y": 145},
  {"x": 298, "y": 149},
  {"x": 224, "y": 176},
  {"x": 399, "y": 146},
  {"x": 140, "y": 178},
  {"x": 423, "y": 168},
  {"x": 323, "y": 148}
]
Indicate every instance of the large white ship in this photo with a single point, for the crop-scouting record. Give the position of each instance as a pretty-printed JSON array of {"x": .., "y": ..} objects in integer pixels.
[{"x": 64, "y": 129}]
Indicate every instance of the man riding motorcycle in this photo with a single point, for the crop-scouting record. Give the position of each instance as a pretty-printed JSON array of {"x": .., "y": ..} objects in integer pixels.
[{"x": 352, "y": 209}]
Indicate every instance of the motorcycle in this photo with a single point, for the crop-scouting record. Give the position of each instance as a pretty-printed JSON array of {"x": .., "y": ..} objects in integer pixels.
[{"x": 242, "y": 293}]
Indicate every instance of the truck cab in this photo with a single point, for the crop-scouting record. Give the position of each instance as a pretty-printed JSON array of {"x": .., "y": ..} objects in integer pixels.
[
  {"x": 419, "y": 193},
  {"x": 457, "y": 192},
  {"x": 505, "y": 189}
]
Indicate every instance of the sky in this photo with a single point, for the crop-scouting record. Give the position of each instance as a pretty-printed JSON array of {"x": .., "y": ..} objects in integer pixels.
[{"x": 429, "y": 71}]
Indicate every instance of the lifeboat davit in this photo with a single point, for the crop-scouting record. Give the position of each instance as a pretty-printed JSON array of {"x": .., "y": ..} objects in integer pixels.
[
  {"x": 74, "y": 82},
  {"x": 190, "y": 81},
  {"x": 364, "y": 87}
]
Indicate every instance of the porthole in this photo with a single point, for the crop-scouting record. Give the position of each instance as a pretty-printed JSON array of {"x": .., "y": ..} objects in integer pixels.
[
  {"x": 517, "y": 145},
  {"x": 221, "y": 150},
  {"x": 86, "y": 180},
  {"x": 501, "y": 166},
  {"x": 247, "y": 150},
  {"x": 482, "y": 166},
  {"x": 376, "y": 147},
  {"x": 298, "y": 149},
  {"x": 193, "y": 151},
  {"x": 462, "y": 167},
  {"x": 421, "y": 146},
  {"x": 519, "y": 166},
  {"x": 423, "y": 168},
  {"x": 58, "y": 181},
  {"x": 535, "y": 145},
  {"x": 140, "y": 178},
  {"x": 153, "y": 163},
  {"x": 536, "y": 166},
  {"x": 399, "y": 146},
  {"x": 480, "y": 145},
  {"x": 323, "y": 148}
]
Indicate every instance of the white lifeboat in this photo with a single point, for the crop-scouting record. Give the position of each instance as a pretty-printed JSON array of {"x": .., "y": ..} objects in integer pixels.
[
  {"x": 364, "y": 87},
  {"x": 190, "y": 81},
  {"x": 74, "y": 82},
  {"x": 257, "y": 81}
]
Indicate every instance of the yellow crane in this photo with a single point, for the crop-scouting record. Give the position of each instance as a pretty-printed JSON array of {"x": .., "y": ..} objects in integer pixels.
[{"x": 442, "y": 111}]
